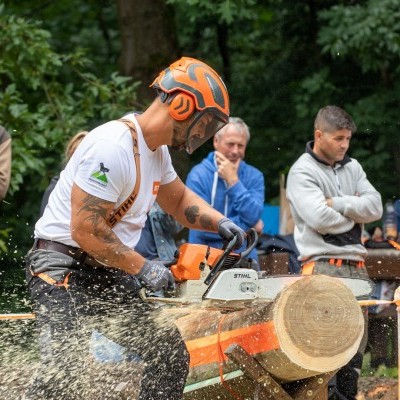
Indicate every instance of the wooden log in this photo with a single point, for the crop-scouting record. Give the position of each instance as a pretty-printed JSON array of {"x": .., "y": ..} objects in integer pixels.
[{"x": 314, "y": 326}]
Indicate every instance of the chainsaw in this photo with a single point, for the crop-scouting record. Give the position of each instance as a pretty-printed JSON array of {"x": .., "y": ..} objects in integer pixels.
[{"x": 221, "y": 277}]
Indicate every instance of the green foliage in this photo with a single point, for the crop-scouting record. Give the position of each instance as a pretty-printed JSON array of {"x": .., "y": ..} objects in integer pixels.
[
  {"x": 4, "y": 235},
  {"x": 227, "y": 11},
  {"x": 89, "y": 25},
  {"x": 369, "y": 33},
  {"x": 45, "y": 98},
  {"x": 381, "y": 371}
]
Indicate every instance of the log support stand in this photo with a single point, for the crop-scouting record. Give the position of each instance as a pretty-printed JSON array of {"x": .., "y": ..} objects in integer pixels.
[{"x": 267, "y": 387}]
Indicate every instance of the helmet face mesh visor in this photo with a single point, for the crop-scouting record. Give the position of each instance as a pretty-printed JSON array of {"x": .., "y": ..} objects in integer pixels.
[{"x": 203, "y": 127}]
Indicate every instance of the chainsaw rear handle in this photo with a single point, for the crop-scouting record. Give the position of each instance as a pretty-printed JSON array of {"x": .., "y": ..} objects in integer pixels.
[
  {"x": 251, "y": 242},
  {"x": 218, "y": 265},
  {"x": 252, "y": 238}
]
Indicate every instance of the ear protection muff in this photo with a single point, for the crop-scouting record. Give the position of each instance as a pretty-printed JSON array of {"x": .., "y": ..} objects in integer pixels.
[{"x": 181, "y": 106}]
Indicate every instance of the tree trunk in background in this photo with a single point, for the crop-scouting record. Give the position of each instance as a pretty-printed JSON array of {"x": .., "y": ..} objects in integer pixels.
[
  {"x": 149, "y": 44},
  {"x": 222, "y": 39},
  {"x": 148, "y": 41}
]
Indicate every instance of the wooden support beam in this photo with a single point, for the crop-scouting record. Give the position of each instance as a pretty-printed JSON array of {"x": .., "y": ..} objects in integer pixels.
[
  {"x": 315, "y": 387},
  {"x": 268, "y": 388}
]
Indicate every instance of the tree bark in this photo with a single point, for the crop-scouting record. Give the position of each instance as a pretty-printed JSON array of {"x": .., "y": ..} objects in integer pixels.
[
  {"x": 149, "y": 42},
  {"x": 222, "y": 38},
  {"x": 149, "y": 45}
]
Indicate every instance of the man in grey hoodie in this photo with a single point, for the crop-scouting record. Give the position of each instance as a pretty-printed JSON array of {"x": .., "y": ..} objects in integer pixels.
[{"x": 330, "y": 199}]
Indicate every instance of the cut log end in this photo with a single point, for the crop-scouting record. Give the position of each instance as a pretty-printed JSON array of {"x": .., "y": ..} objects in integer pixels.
[{"x": 319, "y": 323}]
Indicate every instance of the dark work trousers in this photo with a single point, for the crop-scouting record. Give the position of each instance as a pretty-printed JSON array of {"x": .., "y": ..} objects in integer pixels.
[
  {"x": 108, "y": 303},
  {"x": 344, "y": 385}
]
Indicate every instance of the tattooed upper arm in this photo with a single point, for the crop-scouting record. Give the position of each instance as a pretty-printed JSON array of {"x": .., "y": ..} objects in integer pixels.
[
  {"x": 89, "y": 211},
  {"x": 89, "y": 228},
  {"x": 95, "y": 209}
]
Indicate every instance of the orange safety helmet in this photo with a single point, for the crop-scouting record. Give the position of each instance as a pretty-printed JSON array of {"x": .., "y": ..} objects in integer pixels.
[{"x": 193, "y": 89}]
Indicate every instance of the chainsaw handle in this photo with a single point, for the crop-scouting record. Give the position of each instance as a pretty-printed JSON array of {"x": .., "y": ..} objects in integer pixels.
[
  {"x": 220, "y": 261},
  {"x": 252, "y": 239}
]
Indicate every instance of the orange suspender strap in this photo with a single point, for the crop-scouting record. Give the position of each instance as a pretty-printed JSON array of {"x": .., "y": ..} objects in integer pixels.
[{"x": 117, "y": 214}]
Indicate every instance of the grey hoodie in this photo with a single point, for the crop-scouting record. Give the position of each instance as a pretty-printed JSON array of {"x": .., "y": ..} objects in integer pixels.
[{"x": 330, "y": 232}]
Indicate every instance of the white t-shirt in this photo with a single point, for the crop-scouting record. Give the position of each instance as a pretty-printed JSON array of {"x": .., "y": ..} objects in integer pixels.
[{"x": 103, "y": 166}]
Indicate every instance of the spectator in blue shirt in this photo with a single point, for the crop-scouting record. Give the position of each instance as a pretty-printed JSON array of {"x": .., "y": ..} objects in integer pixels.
[{"x": 229, "y": 184}]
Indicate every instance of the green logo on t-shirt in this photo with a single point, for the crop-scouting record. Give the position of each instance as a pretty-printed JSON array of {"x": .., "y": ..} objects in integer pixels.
[{"x": 100, "y": 175}]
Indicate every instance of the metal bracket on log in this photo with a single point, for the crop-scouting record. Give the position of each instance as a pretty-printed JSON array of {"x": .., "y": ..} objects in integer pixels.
[{"x": 267, "y": 387}]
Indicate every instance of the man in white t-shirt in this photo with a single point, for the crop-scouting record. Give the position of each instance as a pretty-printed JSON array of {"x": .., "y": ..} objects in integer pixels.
[{"x": 83, "y": 272}]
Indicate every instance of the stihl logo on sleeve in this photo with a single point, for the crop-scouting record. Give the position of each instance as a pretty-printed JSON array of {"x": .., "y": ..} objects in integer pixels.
[{"x": 156, "y": 187}]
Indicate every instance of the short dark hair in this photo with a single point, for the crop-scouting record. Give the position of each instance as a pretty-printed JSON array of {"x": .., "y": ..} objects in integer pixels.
[{"x": 334, "y": 118}]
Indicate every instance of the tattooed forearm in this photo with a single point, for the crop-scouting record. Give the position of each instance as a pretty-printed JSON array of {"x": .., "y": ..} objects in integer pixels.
[
  {"x": 205, "y": 222},
  {"x": 192, "y": 213},
  {"x": 113, "y": 255}
]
